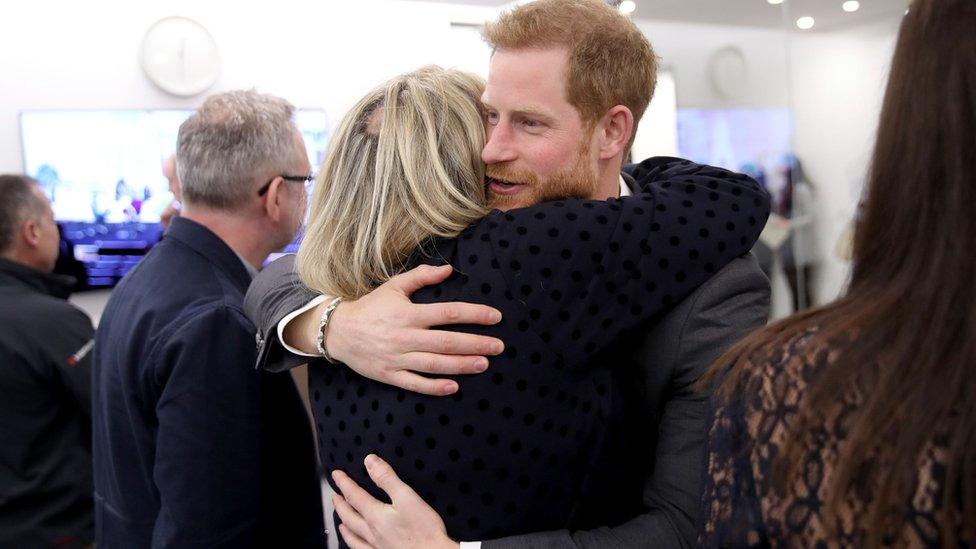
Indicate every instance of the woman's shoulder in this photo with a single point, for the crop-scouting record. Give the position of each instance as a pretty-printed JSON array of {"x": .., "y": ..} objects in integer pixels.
[
  {"x": 788, "y": 351},
  {"x": 781, "y": 371}
]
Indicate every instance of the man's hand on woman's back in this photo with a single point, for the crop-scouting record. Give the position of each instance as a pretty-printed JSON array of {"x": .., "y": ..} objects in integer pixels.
[{"x": 386, "y": 337}]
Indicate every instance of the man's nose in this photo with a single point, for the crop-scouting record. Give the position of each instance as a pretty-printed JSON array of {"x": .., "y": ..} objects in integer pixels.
[{"x": 499, "y": 146}]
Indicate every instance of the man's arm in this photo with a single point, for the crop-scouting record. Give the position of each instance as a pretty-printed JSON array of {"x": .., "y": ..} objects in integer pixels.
[
  {"x": 208, "y": 440},
  {"x": 382, "y": 336},
  {"x": 273, "y": 295},
  {"x": 70, "y": 348}
]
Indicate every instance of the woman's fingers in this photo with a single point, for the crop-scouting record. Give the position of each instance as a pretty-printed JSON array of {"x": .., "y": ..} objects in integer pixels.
[
  {"x": 351, "y": 518},
  {"x": 354, "y": 541},
  {"x": 359, "y": 499}
]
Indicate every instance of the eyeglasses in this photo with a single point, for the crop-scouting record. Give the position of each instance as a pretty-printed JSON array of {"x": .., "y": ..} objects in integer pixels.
[{"x": 307, "y": 179}]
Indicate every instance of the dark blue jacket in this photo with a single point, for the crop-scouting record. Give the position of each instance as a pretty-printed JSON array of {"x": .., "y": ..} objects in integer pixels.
[{"x": 193, "y": 446}]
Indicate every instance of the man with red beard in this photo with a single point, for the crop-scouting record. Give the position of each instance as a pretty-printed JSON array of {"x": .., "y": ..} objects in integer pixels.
[{"x": 567, "y": 79}]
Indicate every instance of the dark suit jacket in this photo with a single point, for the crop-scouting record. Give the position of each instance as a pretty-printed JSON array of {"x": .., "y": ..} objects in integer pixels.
[
  {"x": 673, "y": 202},
  {"x": 192, "y": 446}
]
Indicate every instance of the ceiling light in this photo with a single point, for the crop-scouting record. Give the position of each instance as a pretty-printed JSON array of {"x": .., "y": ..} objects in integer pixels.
[
  {"x": 851, "y": 6},
  {"x": 775, "y": 2},
  {"x": 805, "y": 23},
  {"x": 627, "y": 6}
]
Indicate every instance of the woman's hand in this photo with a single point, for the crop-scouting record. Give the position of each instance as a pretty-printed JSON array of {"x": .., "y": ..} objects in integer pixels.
[{"x": 369, "y": 523}]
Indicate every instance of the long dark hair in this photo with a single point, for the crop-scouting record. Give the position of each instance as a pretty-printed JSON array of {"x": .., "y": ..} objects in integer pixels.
[{"x": 905, "y": 333}]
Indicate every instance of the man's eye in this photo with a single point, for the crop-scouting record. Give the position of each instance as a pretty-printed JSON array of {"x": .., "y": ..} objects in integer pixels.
[
  {"x": 491, "y": 117},
  {"x": 529, "y": 123}
]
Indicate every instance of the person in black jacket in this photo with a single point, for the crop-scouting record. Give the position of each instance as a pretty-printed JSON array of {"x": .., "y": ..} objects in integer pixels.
[
  {"x": 45, "y": 392},
  {"x": 192, "y": 446},
  {"x": 516, "y": 449}
]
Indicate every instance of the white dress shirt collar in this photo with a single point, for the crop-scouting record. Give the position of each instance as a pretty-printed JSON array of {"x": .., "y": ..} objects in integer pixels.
[{"x": 624, "y": 187}]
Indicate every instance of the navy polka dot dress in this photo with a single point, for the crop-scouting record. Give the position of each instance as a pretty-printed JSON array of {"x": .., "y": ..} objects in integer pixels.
[{"x": 512, "y": 451}]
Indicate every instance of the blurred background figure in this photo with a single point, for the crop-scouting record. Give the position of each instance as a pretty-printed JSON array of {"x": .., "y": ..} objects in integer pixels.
[
  {"x": 855, "y": 424},
  {"x": 799, "y": 252},
  {"x": 173, "y": 209},
  {"x": 45, "y": 378}
]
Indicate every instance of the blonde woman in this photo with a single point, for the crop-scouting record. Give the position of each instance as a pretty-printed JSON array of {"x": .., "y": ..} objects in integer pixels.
[{"x": 403, "y": 184}]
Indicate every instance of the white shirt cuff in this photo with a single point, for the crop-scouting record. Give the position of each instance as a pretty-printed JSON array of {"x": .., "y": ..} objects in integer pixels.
[
  {"x": 470, "y": 545},
  {"x": 291, "y": 316}
]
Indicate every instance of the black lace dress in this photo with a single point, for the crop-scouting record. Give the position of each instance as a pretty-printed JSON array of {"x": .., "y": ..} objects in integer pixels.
[{"x": 741, "y": 506}]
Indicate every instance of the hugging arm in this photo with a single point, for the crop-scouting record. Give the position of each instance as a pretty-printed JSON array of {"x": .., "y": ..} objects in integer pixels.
[
  {"x": 587, "y": 271},
  {"x": 382, "y": 335},
  {"x": 385, "y": 337},
  {"x": 273, "y": 294}
]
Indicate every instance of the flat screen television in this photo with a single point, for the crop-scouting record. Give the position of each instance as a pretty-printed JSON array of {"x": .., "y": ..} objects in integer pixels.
[
  {"x": 755, "y": 141},
  {"x": 102, "y": 171}
]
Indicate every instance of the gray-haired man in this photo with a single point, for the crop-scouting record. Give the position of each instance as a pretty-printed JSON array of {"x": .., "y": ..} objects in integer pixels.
[{"x": 192, "y": 445}]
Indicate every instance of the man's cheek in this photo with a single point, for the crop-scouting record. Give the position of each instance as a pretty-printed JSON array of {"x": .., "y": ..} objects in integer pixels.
[{"x": 545, "y": 163}]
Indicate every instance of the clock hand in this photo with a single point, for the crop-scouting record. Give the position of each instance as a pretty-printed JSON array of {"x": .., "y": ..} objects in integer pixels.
[{"x": 182, "y": 58}]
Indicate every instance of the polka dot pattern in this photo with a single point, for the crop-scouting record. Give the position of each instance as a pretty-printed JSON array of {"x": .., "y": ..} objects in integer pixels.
[{"x": 511, "y": 450}]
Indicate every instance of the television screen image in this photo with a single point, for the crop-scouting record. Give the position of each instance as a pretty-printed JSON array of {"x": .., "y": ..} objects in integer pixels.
[
  {"x": 102, "y": 171},
  {"x": 755, "y": 141}
]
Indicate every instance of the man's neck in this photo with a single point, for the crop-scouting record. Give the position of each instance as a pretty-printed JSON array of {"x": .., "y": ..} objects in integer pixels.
[
  {"x": 247, "y": 237},
  {"x": 608, "y": 185},
  {"x": 25, "y": 259}
]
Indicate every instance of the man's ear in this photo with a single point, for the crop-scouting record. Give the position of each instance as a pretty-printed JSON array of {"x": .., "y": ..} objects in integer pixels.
[
  {"x": 30, "y": 231},
  {"x": 614, "y": 130},
  {"x": 273, "y": 200}
]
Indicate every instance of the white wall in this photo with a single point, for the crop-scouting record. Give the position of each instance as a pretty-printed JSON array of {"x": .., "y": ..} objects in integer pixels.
[
  {"x": 686, "y": 49},
  {"x": 59, "y": 54},
  {"x": 838, "y": 82}
]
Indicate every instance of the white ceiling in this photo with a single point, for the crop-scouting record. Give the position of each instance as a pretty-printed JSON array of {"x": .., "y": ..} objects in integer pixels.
[
  {"x": 759, "y": 13},
  {"x": 753, "y": 13}
]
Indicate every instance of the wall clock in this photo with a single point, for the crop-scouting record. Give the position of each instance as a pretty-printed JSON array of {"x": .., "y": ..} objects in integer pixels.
[
  {"x": 180, "y": 56},
  {"x": 729, "y": 72}
]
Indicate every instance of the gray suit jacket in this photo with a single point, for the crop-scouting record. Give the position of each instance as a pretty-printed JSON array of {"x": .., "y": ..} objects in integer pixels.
[
  {"x": 668, "y": 359},
  {"x": 666, "y": 414}
]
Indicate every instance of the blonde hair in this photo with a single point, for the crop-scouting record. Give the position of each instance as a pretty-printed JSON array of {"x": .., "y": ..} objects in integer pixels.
[
  {"x": 610, "y": 61},
  {"x": 404, "y": 166}
]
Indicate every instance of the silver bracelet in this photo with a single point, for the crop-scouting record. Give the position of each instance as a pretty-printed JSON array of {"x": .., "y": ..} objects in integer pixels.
[{"x": 324, "y": 327}]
